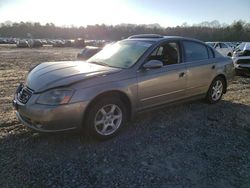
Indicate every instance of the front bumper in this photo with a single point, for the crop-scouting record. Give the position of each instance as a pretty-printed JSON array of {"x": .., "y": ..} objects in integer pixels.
[
  {"x": 241, "y": 70},
  {"x": 242, "y": 65},
  {"x": 45, "y": 118},
  {"x": 39, "y": 127}
]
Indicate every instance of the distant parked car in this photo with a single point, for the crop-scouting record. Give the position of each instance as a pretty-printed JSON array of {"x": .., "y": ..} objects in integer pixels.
[
  {"x": 79, "y": 43},
  {"x": 125, "y": 78},
  {"x": 3, "y": 41},
  {"x": 58, "y": 43},
  {"x": 224, "y": 48},
  {"x": 231, "y": 44},
  {"x": 68, "y": 43},
  {"x": 241, "y": 59},
  {"x": 44, "y": 42},
  {"x": 22, "y": 44},
  {"x": 35, "y": 43},
  {"x": 211, "y": 44},
  {"x": 50, "y": 42},
  {"x": 88, "y": 52},
  {"x": 11, "y": 40}
]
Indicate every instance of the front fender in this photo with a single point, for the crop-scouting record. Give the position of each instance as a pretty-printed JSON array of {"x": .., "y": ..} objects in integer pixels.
[{"x": 127, "y": 87}]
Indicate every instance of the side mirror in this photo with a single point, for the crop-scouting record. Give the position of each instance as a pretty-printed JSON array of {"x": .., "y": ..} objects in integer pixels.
[{"x": 153, "y": 64}]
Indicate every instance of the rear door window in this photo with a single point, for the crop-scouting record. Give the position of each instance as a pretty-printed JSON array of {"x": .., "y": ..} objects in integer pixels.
[
  {"x": 195, "y": 51},
  {"x": 210, "y": 52}
]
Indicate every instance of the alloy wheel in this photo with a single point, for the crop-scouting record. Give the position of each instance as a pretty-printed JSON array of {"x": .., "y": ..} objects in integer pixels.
[
  {"x": 108, "y": 119},
  {"x": 217, "y": 90}
]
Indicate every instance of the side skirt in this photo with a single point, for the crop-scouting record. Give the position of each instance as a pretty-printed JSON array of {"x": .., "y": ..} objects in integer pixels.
[{"x": 185, "y": 100}]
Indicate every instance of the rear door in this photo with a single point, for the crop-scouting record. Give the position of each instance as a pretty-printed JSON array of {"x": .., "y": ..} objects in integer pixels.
[
  {"x": 165, "y": 84},
  {"x": 200, "y": 68}
]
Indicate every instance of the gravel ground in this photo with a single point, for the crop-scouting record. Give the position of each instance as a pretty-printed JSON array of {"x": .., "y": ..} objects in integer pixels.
[{"x": 187, "y": 145}]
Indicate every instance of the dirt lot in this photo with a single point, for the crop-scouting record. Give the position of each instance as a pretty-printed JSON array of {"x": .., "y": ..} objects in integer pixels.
[{"x": 187, "y": 145}]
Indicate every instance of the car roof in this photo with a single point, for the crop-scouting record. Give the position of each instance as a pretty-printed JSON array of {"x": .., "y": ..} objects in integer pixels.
[{"x": 156, "y": 38}]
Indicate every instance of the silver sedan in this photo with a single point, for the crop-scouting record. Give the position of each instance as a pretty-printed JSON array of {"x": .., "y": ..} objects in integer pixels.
[{"x": 132, "y": 75}]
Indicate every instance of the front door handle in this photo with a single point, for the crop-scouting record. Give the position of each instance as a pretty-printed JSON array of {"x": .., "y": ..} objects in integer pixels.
[
  {"x": 213, "y": 67},
  {"x": 181, "y": 74}
]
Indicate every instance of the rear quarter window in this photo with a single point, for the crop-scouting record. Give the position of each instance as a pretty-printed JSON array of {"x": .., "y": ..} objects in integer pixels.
[{"x": 195, "y": 51}]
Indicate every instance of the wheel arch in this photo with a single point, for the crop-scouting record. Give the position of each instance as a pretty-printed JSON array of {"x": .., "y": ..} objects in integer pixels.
[
  {"x": 224, "y": 79},
  {"x": 117, "y": 93}
]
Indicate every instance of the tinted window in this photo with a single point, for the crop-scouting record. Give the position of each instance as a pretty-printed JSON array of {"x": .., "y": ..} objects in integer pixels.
[
  {"x": 210, "y": 53},
  {"x": 168, "y": 53},
  {"x": 195, "y": 51}
]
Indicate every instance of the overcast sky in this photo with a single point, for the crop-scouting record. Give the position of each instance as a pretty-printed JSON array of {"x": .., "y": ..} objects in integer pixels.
[{"x": 84, "y": 12}]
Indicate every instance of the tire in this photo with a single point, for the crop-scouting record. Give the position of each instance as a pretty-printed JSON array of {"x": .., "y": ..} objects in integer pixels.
[
  {"x": 215, "y": 91},
  {"x": 105, "y": 118}
]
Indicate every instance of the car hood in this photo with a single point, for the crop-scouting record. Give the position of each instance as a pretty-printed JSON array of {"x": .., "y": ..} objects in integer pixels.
[
  {"x": 246, "y": 46},
  {"x": 55, "y": 74}
]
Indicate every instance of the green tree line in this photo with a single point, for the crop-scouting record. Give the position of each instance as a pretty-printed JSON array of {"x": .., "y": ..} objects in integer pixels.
[{"x": 206, "y": 31}]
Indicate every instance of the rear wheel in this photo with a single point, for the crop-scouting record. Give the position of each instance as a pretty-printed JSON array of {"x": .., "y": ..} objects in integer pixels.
[
  {"x": 215, "y": 91},
  {"x": 106, "y": 117}
]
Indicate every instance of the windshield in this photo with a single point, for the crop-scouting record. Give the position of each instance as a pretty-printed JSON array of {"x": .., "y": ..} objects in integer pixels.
[
  {"x": 240, "y": 47},
  {"x": 122, "y": 54}
]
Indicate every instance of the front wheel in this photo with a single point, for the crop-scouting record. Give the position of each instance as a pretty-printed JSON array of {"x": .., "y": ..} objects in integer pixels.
[
  {"x": 106, "y": 117},
  {"x": 215, "y": 91}
]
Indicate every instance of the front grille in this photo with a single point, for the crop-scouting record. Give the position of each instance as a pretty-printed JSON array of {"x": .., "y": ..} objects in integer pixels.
[
  {"x": 246, "y": 53},
  {"x": 24, "y": 94},
  {"x": 243, "y": 61}
]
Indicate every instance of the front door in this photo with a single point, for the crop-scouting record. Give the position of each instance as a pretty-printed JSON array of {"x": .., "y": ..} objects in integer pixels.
[{"x": 165, "y": 84}]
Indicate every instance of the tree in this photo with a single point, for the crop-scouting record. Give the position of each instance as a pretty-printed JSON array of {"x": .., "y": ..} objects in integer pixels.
[{"x": 206, "y": 31}]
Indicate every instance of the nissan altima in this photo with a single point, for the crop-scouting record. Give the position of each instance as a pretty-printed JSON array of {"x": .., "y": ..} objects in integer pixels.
[{"x": 99, "y": 95}]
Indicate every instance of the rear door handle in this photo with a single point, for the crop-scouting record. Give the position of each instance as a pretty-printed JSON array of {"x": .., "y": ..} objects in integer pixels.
[
  {"x": 181, "y": 74},
  {"x": 213, "y": 67}
]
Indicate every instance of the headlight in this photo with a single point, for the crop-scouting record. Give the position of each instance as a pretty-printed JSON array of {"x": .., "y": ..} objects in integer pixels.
[
  {"x": 55, "y": 97},
  {"x": 237, "y": 53}
]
